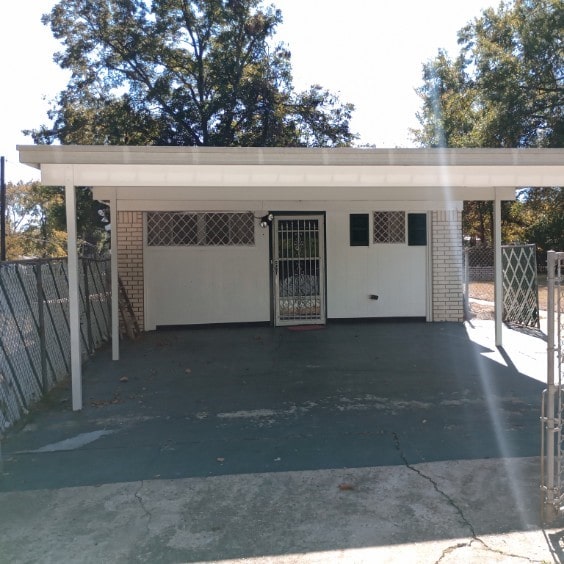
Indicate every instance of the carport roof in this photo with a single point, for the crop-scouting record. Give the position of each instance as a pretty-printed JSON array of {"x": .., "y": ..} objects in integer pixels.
[
  {"x": 249, "y": 172},
  {"x": 36, "y": 155}
]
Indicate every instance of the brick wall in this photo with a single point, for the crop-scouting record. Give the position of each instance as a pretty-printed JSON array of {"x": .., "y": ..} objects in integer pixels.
[
  {"x": 447, "y": 266},
  {"x": 130, "y": 259}
]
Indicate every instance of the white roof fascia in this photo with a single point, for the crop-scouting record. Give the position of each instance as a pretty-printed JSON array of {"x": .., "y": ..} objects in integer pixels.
[{"x": 36, "y": 155}]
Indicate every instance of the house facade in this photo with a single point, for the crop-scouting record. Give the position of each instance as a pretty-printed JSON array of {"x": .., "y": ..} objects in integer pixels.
[
  {"x": 311, "y": 262},
  {"x": 290, "y": 236}
]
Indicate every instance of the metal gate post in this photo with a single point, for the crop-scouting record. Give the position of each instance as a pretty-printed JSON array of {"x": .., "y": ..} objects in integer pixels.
[{"x": 549, "y": 509}]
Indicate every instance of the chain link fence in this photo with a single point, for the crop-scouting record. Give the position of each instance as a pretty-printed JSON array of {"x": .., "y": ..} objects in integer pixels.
[{"x": 34, "y": 327}]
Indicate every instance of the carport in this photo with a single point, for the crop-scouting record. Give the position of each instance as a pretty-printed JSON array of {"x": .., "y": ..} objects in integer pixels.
[{"x": 435, "y": 181}]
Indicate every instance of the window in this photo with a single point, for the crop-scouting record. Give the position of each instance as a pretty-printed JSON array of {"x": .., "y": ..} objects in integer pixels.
[
  {"x": 179, "y": 229},
  {"x": 389, "y": 227},
  {"x": 416, "y": 229},
  {"x": 359, "y": 230}
]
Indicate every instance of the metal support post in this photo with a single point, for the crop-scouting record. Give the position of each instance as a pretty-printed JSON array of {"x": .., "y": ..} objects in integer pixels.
[
  {"x": 549, "y": 506},
  {"x": 498, "y": 284}
]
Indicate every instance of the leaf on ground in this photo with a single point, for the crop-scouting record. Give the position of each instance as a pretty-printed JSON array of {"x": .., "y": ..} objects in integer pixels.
[
  {"x": 124, "y": 379},
  {"x": 346, "y": 487}
]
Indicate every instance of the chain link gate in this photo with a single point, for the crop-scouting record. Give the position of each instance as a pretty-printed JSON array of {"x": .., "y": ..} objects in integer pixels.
[{"x": 552, "y": 417}]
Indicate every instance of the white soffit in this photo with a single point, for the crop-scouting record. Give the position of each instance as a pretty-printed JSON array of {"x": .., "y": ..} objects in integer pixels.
[{"x": 301, "y": 176}]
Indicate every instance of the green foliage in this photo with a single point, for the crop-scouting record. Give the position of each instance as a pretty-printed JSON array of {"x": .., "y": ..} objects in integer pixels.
[
  {"x": 30, "y": 230},
  {"x": 183, "y": 72},
  {"x": 504, "y": 89},
  {"x": 545, "y": 225},
  {"x": 36, "y": 221}
]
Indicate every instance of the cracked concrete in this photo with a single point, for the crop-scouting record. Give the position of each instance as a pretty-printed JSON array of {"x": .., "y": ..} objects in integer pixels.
[
  {"x": 142, "y": 504},
  {"x": 461, "y": 550},
  {"x": 341, "y": 445},
  {"x": 385, "y": 516},
  {"x": 434, "y": 484}
]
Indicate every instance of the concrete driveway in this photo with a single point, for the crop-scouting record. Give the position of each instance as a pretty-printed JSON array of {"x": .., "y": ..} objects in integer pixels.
[{"x": 391, "y": 441}]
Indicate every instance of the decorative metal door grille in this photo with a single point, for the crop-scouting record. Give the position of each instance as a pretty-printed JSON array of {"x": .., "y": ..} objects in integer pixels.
[
  {"x": 389, "y": 227},
  {"x": 520, "y": 290},
  {"x": 552, "y": 416},
  {"x": 174, "y": 229},
  {"x": 299, "y": 273}
]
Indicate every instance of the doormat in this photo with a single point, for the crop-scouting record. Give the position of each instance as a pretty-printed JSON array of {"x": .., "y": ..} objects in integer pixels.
[{"x": 306, "y": 327}]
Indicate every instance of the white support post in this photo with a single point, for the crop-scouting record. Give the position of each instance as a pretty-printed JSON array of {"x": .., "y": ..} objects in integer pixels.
[
  {"x": 74, "y": 304},
  {"x": 498, "y": 283},
  {"x": 115, "y": 274}
]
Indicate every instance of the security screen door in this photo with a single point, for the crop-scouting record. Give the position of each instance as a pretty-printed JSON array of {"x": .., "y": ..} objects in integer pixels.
[{"x": 299, "y": 270}]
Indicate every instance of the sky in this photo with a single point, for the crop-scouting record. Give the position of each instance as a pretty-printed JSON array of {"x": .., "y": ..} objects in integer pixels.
[{"x": 369, "y": 52}]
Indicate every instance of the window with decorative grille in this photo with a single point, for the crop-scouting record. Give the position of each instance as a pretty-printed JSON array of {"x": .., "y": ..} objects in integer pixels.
[
  {"x": 389, "y": 227},
  {"x": 211, "y": 229}
]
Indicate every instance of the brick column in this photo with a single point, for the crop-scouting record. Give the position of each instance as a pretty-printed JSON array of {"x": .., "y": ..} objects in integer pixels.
[
  {"x": 447, "y": 266},
  {"x": 130, "y": 259}
]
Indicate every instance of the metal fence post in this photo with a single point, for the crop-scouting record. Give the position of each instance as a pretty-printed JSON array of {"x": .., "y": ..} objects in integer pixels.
[
  {"x": 466, "y": 283},
  {"x": 549, "y": 508},
  {"x": 38, "y": 266},
  {"x": 87, "y": 306}
]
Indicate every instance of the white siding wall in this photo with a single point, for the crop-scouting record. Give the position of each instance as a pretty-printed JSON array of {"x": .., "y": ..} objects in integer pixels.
[
  {"x": 396, "y": 273},
  {"x": 191, "y": 285}
]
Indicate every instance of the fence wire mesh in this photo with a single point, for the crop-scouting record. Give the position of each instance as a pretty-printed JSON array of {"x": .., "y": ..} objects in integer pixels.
[{"x": 34, "y": 327}]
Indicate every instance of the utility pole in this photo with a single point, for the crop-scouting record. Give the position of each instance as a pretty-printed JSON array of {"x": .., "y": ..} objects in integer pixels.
[{"x": 2, "y": 211}]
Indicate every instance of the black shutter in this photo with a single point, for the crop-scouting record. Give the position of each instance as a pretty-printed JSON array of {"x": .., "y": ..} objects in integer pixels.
[
  {"x": 417, "y": 229},
  {"x": 359, "y": 230}
]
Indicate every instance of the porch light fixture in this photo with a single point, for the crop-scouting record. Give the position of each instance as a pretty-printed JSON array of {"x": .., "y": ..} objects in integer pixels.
[
  {"x": 102, "y": 214},
  {"x": 266, "y": 220}
]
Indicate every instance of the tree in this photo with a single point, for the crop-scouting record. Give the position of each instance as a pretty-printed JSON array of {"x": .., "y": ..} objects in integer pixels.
[
  {"x": 183, "y": 72},
  {"x": 504, "y": 89},
  {"x": 30, "y": 229},
  {"x": 506, "y": 86},
  {"x": 36, "y": 222},
  {"x": 545, "y": 225}
]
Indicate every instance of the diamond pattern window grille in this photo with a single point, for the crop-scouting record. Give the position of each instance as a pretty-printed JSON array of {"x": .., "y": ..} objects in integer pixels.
[
  {"x": 174, "y": 229},
  {"x": 389, "y": 227}
]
